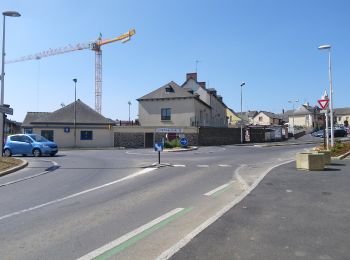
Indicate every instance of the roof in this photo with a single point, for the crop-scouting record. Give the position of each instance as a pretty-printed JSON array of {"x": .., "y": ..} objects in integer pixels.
[
  {"x": 65, "y": 115},
  {"x": 271, "y": 115},
  {"x": 249, "y": 114},
  {"x": 342, "y": 111},
  {"x": 161, "y": 93}
]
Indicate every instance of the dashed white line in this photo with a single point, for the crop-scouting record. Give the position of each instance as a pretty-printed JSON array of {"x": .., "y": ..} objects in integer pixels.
[
  {"x": 203, "y": 166},
  {"x": 218, "y": 188},
  {"x": 179, "y": 165},
  {"x": 224, "y": 165}
]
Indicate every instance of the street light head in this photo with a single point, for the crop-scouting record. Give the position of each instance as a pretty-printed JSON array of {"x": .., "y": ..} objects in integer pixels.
[
  {"x": 324, "y": 47},
  {"x": 11, "y": 13},
  {"x": 242, "y": 84},
  {"x": 75, "y": 80}
]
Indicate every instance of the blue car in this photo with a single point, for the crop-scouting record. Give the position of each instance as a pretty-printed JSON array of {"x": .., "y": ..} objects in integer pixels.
[{"x": 29, "y": 144}]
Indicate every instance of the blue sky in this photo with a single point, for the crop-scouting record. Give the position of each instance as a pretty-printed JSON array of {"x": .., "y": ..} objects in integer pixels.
[{"x": 269, "y": 44}]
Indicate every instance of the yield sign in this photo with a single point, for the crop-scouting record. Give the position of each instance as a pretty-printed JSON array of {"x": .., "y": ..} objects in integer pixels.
[{"x": 323, "y": 103}]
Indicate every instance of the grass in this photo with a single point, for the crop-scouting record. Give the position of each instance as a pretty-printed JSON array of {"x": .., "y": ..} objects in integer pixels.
[{"x": 8, "y": 162}]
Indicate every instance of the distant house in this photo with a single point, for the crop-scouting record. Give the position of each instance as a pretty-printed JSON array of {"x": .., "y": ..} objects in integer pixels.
[
  {"x": 305, "y": 116},
  {"x": 248, "y": 116},
  {"x": 232, "y": 117},
  {"x": 342, "y": 116},
  {"x": 189, "y": 105},
  {"x": 90, "y": 130},
  {"x": 267, "y": 118}
]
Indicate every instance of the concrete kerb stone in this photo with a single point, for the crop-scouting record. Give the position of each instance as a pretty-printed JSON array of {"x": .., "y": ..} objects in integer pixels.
[
  {"x": 181, "y": 149},
  {"x": 14, "y": 169}
]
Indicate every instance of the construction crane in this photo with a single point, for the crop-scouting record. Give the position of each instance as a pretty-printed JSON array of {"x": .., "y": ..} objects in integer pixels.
[{"x": 96, "y": 47}]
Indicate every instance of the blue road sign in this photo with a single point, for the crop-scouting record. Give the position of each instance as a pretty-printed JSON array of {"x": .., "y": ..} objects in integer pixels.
[
  {"x": 184, "y": 141},
  {"x": 158, "y": 147}
]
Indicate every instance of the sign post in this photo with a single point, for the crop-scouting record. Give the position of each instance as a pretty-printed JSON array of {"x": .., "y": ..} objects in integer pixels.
[
  {"x": 158, "y": 147},
  {"x": 324, "y": 105}
]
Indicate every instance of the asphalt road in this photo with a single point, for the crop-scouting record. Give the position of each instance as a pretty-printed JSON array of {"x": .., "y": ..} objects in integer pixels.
[
  {"x": 290, "y": 215},
  {"x": 67, "y": 206}
]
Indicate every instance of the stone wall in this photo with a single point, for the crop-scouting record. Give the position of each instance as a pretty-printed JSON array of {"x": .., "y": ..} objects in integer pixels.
[
  {"x": 129, "y": 140},
  {"x": 218, "y": 136}
]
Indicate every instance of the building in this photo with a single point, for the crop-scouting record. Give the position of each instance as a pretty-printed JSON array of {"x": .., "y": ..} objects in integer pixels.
[
  {"x": 189, "y": 105},
  {"x": 248, "y": 117},
  {"x": 267, "y": 118},
  {"x": 342, "y": 116},
  {"x": 89, "y": 130},
  {"x": 232, "y": 117},
  {"x": 305, "y": 116}
]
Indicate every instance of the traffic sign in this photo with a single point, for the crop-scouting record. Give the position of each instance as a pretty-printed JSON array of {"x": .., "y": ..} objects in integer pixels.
[
  {"x": 184, "y": 141},
  {"x": 158, "y": 147},
  {"x": 6, "y": 110},
  {"x": 323, "y": 103}
]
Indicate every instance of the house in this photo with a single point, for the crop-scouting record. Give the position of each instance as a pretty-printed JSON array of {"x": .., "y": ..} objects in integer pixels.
[
  {"x": 248, "y": 117},
  {"x": 232, "y": 117},
  {"x": 189, "y": 105},
  {"x": 217, "y": 115},
  {"x": 89, "y": 130},
  {"x": 342, "y": 116},
  {"x": 172, "y": 105},
  {"x": 305, "y": 116},
  {"x": 267, "y": 118}
]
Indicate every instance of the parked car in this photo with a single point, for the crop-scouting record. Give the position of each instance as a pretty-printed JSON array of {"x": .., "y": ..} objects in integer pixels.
[
  {"x": 338, "y": 132},
  {"x": 29, "y": 144}
]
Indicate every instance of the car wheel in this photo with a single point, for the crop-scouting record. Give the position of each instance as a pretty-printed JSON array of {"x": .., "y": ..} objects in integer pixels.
[
  {"x": 7, "y": 152},
  {"x": 52, "y": 154},
  {"x": 36, "y": 152}
]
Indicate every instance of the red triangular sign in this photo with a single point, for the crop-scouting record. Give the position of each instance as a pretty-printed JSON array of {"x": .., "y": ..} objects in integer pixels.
[{"x": 323, "y": 103}]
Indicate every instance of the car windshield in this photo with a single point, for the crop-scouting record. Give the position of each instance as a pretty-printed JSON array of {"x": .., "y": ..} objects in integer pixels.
[{"x": 38, "y": 138}]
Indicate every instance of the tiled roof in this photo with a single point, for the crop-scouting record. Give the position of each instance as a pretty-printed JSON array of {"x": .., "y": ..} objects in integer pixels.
[
  {"x": 65, "y": 115},
  {"x": 174, "y": 91},
  {"x": 342, "y": 111}
]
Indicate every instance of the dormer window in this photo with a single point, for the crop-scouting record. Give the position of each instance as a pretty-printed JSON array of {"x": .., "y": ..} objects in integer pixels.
[{"x": 169, "y": 89}]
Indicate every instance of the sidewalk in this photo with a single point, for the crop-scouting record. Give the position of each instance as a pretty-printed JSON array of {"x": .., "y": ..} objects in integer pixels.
[{"x": 290, "y": 215}]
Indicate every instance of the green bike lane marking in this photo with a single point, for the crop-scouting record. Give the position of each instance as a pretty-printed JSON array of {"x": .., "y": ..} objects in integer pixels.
[{"x": 119, "y": 248}]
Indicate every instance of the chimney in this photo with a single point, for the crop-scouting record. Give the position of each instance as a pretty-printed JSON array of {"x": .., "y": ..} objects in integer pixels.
[
  {"x": 202, "y": 84},
  {"x": 191, "y": 76}
]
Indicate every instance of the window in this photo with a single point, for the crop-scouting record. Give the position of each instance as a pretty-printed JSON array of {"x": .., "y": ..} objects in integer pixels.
[
  {"x": 48, "y": 134},
  {"x": 260, "y": 118},
  {"x": 166, "y": 114},
  {"x": 85, "y": 135},
  {"x": 169, "y": 89},
  {"x": 28, "y": 130}
]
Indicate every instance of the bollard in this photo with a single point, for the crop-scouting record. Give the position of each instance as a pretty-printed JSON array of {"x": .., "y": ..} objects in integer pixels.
[{"x": 310, "y": 161}]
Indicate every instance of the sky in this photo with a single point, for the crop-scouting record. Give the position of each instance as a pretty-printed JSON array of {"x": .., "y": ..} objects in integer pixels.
[{"x": 271, "y": 45}]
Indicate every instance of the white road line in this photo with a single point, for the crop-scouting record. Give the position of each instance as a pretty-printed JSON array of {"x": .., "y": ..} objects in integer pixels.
[
  {"x": 142, "y": 172},
  {"x": 171, "y": 251},
  {"x": 129, "y": 235},
  {"x": 224, "y": 165},
  {"x": 239, "y": 177},
  {"x": 203, "y": 166},
  {"x": 217, "y": 189},
  {"x": 29, "y": 177},
  {"x": 179, "y": 165}
]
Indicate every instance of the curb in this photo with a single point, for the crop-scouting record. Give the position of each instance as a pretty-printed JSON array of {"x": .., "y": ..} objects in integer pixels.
[
  {"x": 16, "y": 168},
  {"x": 341, "y": 157},
  {"x": 181, "y": 150}
]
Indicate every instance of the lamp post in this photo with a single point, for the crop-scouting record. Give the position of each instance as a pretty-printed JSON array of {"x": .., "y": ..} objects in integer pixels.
[
  {"x": 2, "y": 119},
  {"x": 129, "y": 103},
  {"x": 293, "y": 101},
  {"x": 75, "y": 112},
  {"x": 328, "y": 47},
  {"x": 242, "y": 84}
]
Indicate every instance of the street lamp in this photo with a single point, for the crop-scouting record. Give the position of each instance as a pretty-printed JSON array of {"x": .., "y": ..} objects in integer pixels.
[
  {"x": 2, "y": 119},
  {"x": 75, "y": 112},
  {"x": 328, "y": 47},
  {"x": 242, "y": 84},
  {"x": 129, "y": 103},
  {"x": 293, "y": 101}
]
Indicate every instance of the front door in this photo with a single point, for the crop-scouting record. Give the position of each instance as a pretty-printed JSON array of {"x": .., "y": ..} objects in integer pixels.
[{"x": 149, "y": 140}]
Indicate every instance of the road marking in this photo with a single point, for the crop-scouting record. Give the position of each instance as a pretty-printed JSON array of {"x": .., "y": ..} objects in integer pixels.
[
  {"x": 224, "y": 165},
  {"x": 109, "y": 250},
  {"x": 175, "y": 248},
  {"x": 203, "y": 166},
  {"x": 218, "y": 189},
  {"x": 55, "y": 164},
  {"x": 239, "y": 177},
  {"x": 179, "y": 165},
  {"x": 142, "y": 172}
]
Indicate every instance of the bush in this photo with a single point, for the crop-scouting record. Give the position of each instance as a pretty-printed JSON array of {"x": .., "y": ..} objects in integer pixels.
[{"x": 172, "y": 144}]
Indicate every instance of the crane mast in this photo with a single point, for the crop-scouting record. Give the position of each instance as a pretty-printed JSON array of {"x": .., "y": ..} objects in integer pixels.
[{"x": 94, "y": 46}]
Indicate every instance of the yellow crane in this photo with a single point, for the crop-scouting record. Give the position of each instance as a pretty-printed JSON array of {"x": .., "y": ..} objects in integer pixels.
[{"x": 95, "y": 46}]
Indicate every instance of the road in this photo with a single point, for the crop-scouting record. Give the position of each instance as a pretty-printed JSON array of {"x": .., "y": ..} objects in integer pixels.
[{"x": 110, "y": 203}]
